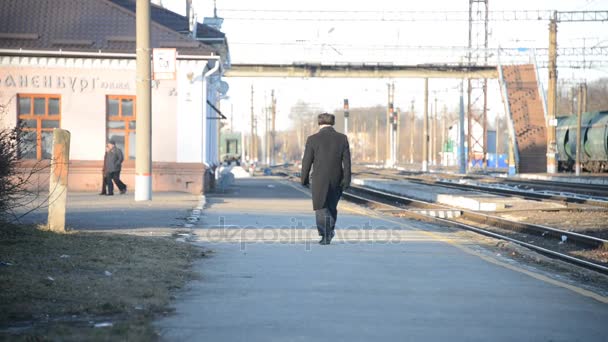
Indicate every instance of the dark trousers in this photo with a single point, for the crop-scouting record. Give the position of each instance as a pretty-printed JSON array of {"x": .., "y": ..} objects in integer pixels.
[
  {"x": 114, "y": 176},
  {"x": 326, "y": 221}
]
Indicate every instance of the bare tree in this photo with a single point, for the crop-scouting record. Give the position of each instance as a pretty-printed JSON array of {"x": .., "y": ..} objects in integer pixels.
[{"x": 14, "y": 177}]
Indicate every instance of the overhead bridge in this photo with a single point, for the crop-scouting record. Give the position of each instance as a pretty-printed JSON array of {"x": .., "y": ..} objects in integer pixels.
[{"x": 305, "y": 70}]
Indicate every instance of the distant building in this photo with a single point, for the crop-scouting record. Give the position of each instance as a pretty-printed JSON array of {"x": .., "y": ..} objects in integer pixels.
[{"x": 71, "y": 64}]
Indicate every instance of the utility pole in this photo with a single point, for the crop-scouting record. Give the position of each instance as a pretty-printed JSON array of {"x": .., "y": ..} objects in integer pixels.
[
  {"x": 462, "y": 160},
  {"x": 346, "y": 114},
  {"x": 425, "y": 128},
  {"x": 412, "y": 131},
  {"x": 388, "y": 128},
  {"x": 395, "y": 135},
  {"x": 478, "y": 53},
  {"x": 390, "y": 124},
  {"x": 354, "y": 141},
  {"x": 231, "y": 117},
  {"x": 443, "y": 127},
  {"x": 552, "y": 97},
  {"x": 497, "y": 139},
  {"x": 377, "y": 141},
  {"x": 434, "y": 130},
  {"x": 579, "y": 138},
  {"x": 143, "y": 104},
  {"x": 398, "y": 155},
  {"x": 266, "y": 134},
  {"x": 252, "y": 142},
  {"x": 365, "y": 142},
  {"x": 274, "y": 132},
  {"x": 585, "y": 108}
]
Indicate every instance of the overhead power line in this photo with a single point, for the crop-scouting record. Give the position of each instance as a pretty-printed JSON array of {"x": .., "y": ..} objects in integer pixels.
[
  {"x": 507, "y": 51},
  {"x": 407, "y": 16}
]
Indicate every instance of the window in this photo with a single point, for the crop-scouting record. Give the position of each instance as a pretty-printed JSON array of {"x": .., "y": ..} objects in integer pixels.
[
  {"x": 39, "y": 115},
  {"x": 120, "y": 127}
]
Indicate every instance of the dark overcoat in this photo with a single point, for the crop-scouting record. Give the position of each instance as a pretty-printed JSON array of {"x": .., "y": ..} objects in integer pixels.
[
  {"x": 113, "y": 160},
  {"x": 329, "y": 152}
]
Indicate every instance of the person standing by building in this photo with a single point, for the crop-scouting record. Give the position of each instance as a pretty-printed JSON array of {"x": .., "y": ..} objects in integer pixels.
[
  {"x": 329, "y": 152},
  {"x": 113, "y": 165},
  {"x": 104, "y": 182}
]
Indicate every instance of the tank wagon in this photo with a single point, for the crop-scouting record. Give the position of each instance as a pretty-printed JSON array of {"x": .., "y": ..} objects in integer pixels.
[{"x": 594, "y": 131}]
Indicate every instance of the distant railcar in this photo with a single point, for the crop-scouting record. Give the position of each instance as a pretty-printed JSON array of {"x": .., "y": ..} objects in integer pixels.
[
  {"x": 230, "y": 147},
  {"x": 594, "y": 131}
]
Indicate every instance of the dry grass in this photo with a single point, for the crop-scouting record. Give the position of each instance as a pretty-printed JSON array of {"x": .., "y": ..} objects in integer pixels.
[{"x": 57, "y": 286}]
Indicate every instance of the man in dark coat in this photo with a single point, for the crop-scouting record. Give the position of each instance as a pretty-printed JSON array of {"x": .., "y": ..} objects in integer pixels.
[
  {"x": 113, "y": 165},
  {"x": 329, "y": 152}
]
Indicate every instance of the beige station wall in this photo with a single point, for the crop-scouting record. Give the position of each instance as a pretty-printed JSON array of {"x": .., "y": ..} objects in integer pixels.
[{"x": 83, "y": 89}]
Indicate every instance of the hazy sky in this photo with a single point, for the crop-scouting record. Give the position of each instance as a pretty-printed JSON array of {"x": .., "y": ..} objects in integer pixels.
[{"x": 368, "y": 40}]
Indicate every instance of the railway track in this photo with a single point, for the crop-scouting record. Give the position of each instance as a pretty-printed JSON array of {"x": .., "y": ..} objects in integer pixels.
[
  {"x": 490, "y": 189},
  {"x": 516, "y": 232},
  {"x": 553, "y": 242}
]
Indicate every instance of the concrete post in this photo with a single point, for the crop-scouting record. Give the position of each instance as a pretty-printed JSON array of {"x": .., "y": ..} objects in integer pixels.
[
  {"x": 143, "y": 157},
  {"x": 58, "y": 184}
]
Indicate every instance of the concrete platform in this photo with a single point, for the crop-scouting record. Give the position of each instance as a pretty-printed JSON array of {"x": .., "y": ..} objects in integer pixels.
[
  {"x": 89, "y": 211},
  {"x": 421, "y": 284},
  {"x": 599, "y": 179},
  {"x": 470, "y": 200}
]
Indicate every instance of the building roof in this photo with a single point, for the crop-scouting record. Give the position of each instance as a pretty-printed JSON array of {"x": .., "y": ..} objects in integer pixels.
[
  {"x": 92, "y": 25},
  {"x": 172, "y": 20}
]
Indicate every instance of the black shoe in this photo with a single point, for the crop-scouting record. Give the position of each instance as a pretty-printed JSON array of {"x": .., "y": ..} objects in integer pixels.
[
  {"x": 110, "y": 195},
  {"x": 102, "y": 194},
  {"x": 331, "y": 236},
  {"x": 123, "y": 191},
  {"x": 324, "y": 241}
]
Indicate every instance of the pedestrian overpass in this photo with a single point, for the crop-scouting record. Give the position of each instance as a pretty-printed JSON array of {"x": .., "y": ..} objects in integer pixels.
[
  {"x": 362, "y": 70},
  {"x": 519, "y": 85}
]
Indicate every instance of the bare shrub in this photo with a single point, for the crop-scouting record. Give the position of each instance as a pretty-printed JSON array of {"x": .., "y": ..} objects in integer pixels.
[{"x": 14, "y": 178}]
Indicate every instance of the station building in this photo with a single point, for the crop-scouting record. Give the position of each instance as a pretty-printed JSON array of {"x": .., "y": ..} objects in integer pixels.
[{"x": 71, "y": 64}]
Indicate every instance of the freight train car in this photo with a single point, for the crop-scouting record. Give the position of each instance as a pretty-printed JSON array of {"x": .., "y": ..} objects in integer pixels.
[{"x": 594, "y": 132}]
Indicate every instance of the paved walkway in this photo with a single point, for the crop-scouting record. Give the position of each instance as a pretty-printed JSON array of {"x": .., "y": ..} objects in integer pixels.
[
  {"x": 89, "y": 211},
  {"x": 383, "y": 280}
]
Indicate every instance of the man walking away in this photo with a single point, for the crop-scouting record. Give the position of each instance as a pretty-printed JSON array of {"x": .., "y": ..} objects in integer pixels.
[
  {"x": 113, "y": 165},
  {"x": 329, "y": 152}
]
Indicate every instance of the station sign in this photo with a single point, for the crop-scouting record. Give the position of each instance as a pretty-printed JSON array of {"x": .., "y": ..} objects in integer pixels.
[{"x": 164, "y": 63}]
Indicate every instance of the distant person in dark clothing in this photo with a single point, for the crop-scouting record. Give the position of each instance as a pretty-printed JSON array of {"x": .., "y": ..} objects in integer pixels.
[
  {"x": 104, "y": 181},
  {"x": 329, "y": 152},
  {"x": 113, "y": 165}
]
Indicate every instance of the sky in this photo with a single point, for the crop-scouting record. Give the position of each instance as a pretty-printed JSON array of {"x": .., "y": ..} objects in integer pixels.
[{"x": 252, "y": 39}]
